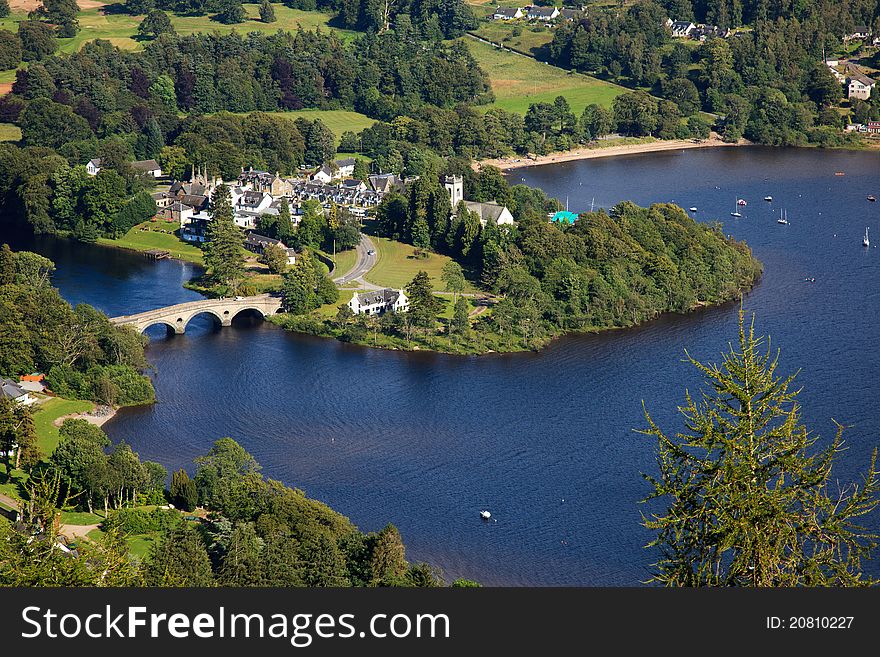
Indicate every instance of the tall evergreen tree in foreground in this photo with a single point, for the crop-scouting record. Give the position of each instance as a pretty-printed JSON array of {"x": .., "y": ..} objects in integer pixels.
[
  {"x": 751, "y": 501},
  {"x": 224, "y": 255}
]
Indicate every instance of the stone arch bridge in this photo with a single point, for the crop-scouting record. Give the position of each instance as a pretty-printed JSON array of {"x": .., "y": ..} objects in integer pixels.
[{"x": 177, "y": 317}]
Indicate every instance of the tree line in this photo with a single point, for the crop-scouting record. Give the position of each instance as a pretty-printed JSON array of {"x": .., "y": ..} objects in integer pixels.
[
  {"x": 258, "y": 531},
  {"x": 83, "y": 355}
]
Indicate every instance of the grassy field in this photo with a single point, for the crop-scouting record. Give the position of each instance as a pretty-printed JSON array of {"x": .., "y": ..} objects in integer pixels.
[
  {"x": 396, "y": 265},
  {"x": 9, "y": 132},
  {"x": 338, "y": 121},
  {"x": 45, "y": 415},
  {"x": 531, "y": 40},
  {"x": 345, "y": 261},
  {"x": 146, "y": 236},
  {"x": 518, "y": 81},
  {"x": 119, "y": 29},
  {"x": 330, "y": 309}
]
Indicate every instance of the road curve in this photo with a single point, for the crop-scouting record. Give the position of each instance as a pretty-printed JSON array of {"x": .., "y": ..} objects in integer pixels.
[{"x": 365, "y": 262}]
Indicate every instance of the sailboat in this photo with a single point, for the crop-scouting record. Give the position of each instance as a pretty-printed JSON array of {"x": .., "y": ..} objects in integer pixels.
[
  {"x": 865, "y": 241},
  {"x": 782, "y": 219},
  {"x": 735, "y": 212}
]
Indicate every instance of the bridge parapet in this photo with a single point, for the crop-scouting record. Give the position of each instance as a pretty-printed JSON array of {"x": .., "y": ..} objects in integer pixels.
[{"x": 177, "y": 317}]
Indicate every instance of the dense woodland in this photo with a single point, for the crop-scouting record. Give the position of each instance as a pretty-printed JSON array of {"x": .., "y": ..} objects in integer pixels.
[
  {"x": 258, "y": 532},
  {"x": 82, "y": 353},
  {"x": 767, "y": 83}
]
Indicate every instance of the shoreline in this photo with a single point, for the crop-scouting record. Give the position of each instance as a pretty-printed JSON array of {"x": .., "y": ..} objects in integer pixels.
[
  {"x": 95, "y": 417},
  {"x": 588, "y": 153}
]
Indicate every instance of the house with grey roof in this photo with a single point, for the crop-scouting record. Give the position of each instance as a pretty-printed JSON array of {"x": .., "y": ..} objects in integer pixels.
[
  {"x": 544, "y": 14},
  {"x": 10, "y": 389},
  {"x": 507, "y": 13},
  {"x": 345, "y": 167},
  {"x": 490, "y": 211},
  {"x": 379, "y": 302},
  {"x": 148, "y": 167}
]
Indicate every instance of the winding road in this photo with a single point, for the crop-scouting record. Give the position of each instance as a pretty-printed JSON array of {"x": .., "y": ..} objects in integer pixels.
[{"x": 365, "y": 262}]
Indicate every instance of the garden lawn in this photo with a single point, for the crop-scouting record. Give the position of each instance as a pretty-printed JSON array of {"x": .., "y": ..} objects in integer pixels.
[
  {"x": 80, "y": 518},
  {"x": 396, "y": 266},
  {"x": 519, "y": 81},
  {"x": 47, "y": 412},
  {"x": 151, "y": 238}
]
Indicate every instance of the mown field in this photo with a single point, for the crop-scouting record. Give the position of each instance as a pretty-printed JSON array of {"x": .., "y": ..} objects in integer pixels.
[
  {"x": 530, "y": 40},
  {"x": 338, "y": 121},
  {"x": 518, "y": 81},
  {"x": 120, "y": 29},
  {"x": 397, "y": 266}
]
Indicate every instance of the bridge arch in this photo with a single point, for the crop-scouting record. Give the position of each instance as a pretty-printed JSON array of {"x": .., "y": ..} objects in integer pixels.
[
  {"x": 158, "y": 322},
  {"x": 261, "y": 312},
  {"x": 223, "y": 320}
]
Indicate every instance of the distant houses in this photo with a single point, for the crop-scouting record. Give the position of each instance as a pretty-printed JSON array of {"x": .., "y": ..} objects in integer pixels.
[
  {"x": 148, "y": 167},
  {"x": 696, "y": 31},
  {"x": 379, "y": 302},
  {"x": 859, "y": 32},
  {"x": 534, "y": 13}
]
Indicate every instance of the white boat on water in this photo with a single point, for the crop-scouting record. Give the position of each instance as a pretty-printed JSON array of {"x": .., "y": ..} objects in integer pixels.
[
  {"x": 865, "y": 240},
  {"x": 768, "y": 198},
  {"x": 485, "y": 515},
  {"x": 692, "y": 209},
  {"x": 735, "y": 212},
  {"x": 782, "y": 219}
]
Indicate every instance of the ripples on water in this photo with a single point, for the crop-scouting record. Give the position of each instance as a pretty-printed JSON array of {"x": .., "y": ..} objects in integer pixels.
[{"x": 425, "y": 441}]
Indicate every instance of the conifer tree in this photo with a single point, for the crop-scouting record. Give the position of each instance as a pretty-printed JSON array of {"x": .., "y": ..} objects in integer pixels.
[
  {"x": 267, "y": 12},
  {"x": 224, "y": 255},
  {"x": 750, "y": 497}
]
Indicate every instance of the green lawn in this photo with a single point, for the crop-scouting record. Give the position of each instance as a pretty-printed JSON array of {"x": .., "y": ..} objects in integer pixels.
[
  {"x": 330, "y": 309},
  {"x": 45, "y": 415},
  {"x": 345, "y": 261},
  {"x": 80, "y": 518},
  {"x": 150, "y": 235},
  {"x": 9, "y": 132},
  {"x": 139, "y": 544},
  {"x": 396, "y": 267},
  {"x": 338, "y": 121},
  {"x": 518, "y": 81}
]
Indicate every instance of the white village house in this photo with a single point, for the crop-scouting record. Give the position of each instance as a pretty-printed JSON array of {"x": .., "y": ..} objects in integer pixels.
[
  {"x": 507, "y": 13},
  {"x": 860, "y": 86},
  {"x": 378, "y": 302},
  {"x": 149, "y": 167}
]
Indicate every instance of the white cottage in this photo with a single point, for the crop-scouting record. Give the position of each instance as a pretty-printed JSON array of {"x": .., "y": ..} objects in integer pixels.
[
  {"x": 11, "y": 390},
  {"x": 378, "y": 302}
]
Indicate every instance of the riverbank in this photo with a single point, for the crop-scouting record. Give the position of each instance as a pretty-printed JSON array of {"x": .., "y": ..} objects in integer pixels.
[
  {"x": 149, "y": 236},
  {"x": 97, "y": 416},
  {"x": 609, "y": 148}
]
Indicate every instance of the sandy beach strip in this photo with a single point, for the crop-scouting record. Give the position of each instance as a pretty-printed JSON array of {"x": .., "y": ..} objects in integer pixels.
[{"x": 508, "y": 163}]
